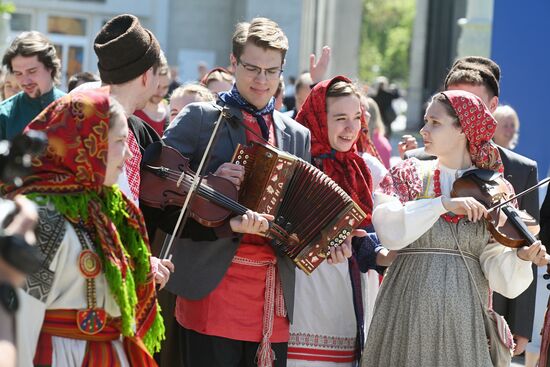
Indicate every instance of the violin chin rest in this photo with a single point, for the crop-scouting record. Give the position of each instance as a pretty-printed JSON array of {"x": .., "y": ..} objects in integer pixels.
[
  {"x": 152, "y": 152},
  {"x": 485, "y": 175}
]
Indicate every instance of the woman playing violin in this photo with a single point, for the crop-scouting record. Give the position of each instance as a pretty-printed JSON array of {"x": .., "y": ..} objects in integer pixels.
[{"x": 428, "y": 312}]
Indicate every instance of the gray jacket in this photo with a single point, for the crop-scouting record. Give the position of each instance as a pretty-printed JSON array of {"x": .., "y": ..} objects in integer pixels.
[{"x": 201, "y": 264}]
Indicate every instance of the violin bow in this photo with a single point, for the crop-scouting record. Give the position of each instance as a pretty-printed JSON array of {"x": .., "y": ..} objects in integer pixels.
[
  {"x": 543, "y": 182},
  {"x": 167, "y": 247}
]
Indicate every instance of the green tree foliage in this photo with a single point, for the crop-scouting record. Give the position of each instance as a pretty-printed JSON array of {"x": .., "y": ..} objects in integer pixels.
[
  {"x": 6, "y": 7},
  {"x": 386, "y": 35}
]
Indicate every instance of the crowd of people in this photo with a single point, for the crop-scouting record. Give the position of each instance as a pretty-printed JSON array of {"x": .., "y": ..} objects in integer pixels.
[{"x": 123, "y": 282}]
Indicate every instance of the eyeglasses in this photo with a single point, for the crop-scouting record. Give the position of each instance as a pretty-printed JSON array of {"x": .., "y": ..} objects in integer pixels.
[{"x": 253, "y": 71}]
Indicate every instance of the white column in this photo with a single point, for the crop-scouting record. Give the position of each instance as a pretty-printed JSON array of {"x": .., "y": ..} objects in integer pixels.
[
  {"x": 415, "y": 95},
  {"x": 161, "y": 18},
  {"x": 4, "y": 32},
  {"x": 475, "y": 39},
  {"x": 307, "y": 34}
]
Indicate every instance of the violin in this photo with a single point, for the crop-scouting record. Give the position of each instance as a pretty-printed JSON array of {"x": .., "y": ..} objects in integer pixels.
[
  {"x": 509, "y": 226},
  {"x": 166, "y": 179}
]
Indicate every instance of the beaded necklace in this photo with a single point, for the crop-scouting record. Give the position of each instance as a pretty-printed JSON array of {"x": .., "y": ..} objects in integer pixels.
[{"x": 437, "y": 191}]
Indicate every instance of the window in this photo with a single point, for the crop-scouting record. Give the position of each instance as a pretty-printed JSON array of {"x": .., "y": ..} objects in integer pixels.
[
  {"x": 20, "y": 22},
  {"x": 67, "y": 26}
]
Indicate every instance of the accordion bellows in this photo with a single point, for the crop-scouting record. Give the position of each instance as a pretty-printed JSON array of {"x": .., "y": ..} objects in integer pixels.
[{"x": 305, "y": 202}]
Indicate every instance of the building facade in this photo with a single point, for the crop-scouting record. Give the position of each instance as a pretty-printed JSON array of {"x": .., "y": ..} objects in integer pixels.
[{"x": 196, "y": 31}]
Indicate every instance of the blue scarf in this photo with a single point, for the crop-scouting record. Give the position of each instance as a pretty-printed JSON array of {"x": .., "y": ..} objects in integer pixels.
[{"x": 234, "y": 98}]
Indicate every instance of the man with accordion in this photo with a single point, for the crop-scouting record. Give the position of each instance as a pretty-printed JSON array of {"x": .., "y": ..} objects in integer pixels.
[{"x": 235, "y": 294}]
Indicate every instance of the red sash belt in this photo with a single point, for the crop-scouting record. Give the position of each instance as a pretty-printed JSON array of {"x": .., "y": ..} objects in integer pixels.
[
  {"x": 99, "y": 349},
  {"x": 274, "y": 303}
]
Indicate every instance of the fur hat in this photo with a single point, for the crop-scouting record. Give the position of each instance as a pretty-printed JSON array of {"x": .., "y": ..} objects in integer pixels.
[{"x": 124, "y": 49}]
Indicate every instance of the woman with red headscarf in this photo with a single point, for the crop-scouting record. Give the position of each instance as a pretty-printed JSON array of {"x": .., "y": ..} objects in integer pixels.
[
  {"x": 328, "y": 323},
  {"x": 93, "y": 302},
  {"x": 434, "y": 298}
]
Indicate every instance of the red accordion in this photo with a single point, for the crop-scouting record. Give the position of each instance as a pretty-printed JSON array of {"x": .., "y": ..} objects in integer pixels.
[{"x": 305, "y": 202}]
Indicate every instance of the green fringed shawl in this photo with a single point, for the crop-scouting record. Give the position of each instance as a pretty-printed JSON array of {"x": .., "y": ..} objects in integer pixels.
[{"x": 75, "y": 207}]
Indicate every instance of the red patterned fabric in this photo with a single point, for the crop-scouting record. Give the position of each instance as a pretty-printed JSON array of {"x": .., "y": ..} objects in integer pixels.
[
  {"x": 479, "y": 126},
  {"x": 348, "y": 169},
  {"x": 77, "y": 126},
  {"x": 322, "y": 355},
  {"x": 132, "y": 165},
  {"x": 99, "y": 349},
  {"x": 403, "y": 181}
]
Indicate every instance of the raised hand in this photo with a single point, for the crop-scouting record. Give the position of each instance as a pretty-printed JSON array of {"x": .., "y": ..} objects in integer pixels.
[
  {"x": 318, "y": 70},
  {"x": 408, "y": 142}
]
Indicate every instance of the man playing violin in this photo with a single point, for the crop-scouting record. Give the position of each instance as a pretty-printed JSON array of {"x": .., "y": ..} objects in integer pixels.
[{"x": 235, "y": 294}]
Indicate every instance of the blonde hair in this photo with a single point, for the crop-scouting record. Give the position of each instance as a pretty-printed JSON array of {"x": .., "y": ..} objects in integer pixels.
[
  {"x": 375, "y": 121},
  {"x": 504, "y": 111},
  {"x": 218, "y": 75},
  {"x": 202, "y": 93}
]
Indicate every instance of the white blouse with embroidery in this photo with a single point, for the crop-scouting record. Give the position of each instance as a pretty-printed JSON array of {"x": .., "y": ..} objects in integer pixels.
[
  {"x": 68, "y": 291},
  {"x": 399, "y": 224}
]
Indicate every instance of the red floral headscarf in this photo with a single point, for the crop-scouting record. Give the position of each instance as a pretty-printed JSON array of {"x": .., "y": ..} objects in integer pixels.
[
  {"x": 479, "y": 125},
  {"x": 348, "y": 169},
  {"x": 70, "y": 175},
  {"x": 75, "y": 160}
]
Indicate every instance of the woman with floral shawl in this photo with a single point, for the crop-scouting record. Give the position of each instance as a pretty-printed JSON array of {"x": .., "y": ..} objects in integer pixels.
[{"x": 93, "y": 302}]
